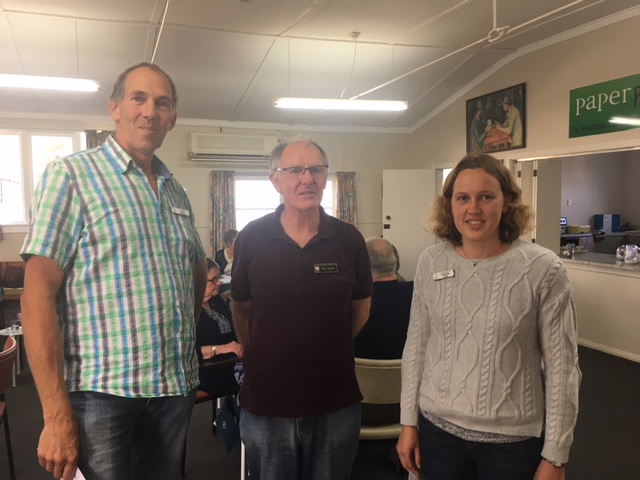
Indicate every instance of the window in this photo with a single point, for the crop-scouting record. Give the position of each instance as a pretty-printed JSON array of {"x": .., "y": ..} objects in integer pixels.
[
  {"x": 11, "y": 195},
  {"x": 255, "y": 197},
  {"x": 23, "y": 157}
]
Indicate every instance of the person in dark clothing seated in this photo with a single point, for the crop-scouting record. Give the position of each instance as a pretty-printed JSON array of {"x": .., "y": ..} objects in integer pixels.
[
  {"x": 384, "y": 334},
  {"x": 215, "y": 336},
  {"x": 224, "y": 256}
]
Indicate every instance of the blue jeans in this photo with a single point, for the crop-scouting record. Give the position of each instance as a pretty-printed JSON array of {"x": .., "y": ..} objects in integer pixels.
[
  {"x": 131, "y": 438},
  {"x": 315, "y": 448},
  {"x": 447, "y": 457}
]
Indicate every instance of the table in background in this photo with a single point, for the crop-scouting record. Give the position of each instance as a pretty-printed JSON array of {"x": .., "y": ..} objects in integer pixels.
[{"x": 496, "y": 139}]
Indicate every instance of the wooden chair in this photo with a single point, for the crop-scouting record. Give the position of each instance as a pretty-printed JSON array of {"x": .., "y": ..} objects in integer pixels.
[
  {"x": 7, "y": 357},
  {"x": 380, "y": 382}
]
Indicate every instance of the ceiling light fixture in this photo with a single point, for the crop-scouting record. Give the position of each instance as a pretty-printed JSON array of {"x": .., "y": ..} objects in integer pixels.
[
  {"x": 48, "y": 83},
  {"x": 354, "y": 103},
  {"x": 626, "y": 121},
  {"x": 340, "y": 104}
]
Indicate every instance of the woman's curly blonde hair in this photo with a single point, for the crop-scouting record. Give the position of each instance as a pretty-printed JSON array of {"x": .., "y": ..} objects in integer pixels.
[{"x": 518, "y": 219}]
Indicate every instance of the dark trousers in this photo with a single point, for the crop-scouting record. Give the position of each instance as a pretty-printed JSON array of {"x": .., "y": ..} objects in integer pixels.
[{"x": 447, "y": 457}]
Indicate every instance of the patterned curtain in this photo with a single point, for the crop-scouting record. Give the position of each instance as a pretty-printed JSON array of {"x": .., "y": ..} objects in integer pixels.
[
  {"x": 96, "y": 138},
  {"x": 222, "y": 212},
  {"x": 347, "y": 205}
]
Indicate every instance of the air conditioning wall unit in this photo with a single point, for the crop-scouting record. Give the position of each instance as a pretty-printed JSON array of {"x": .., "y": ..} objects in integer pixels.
[{"x": 231, "y": 149}]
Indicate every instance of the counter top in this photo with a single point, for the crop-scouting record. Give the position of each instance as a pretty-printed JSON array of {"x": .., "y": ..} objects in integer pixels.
[
  {"x": 591, "y": 234},
  {"x": 602, "y": 260}
]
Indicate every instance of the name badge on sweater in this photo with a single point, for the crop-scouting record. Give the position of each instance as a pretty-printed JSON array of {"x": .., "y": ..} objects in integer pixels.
[
  {"x": 444, "y": 274},
  {"x": 180, "y": 211},
  {"x": 325, "y": 268}
]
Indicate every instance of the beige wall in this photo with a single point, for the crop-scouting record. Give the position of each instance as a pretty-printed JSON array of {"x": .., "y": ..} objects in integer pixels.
[
  {"x": 602, "y": 183},
  {"x": 550, "y": 73},
  {"x": 607, "y": 304},
  {"x": 366, "y": 154}
]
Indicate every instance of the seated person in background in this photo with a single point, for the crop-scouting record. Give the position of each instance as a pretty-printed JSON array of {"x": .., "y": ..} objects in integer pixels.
[
  {"x": 215, "y": 336},
  {"x": 385, "y": 333},
  {"x": 395, "y": 252},
  {"x": 224, "y": 256}
]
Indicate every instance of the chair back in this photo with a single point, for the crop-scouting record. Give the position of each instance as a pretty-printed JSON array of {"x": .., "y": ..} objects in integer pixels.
[
  {"x": 379, "y": 380},
  {"x": 7, "y": 357}
]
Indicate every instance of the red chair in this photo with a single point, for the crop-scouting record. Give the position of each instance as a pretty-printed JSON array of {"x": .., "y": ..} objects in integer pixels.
[{"x": 7, "y": 357}]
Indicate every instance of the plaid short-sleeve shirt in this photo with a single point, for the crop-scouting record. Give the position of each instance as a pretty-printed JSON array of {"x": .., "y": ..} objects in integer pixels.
[{"x": 126, "y": 304}]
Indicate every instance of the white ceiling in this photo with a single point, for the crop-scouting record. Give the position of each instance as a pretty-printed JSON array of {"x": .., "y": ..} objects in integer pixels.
[{"x": 230, "y": 58}]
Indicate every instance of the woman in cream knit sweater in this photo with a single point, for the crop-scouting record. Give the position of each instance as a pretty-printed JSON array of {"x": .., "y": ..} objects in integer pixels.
[{"x": 490, "y": 372}]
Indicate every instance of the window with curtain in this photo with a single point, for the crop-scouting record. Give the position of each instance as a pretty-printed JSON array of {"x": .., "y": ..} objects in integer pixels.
[
  {"x": 238, "y": 198},
  {"x": 222, "y": 207},
  {"x": 346, "y": 201}
]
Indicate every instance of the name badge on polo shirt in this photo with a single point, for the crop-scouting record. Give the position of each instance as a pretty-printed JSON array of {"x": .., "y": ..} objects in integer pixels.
[
  {"x": 180, "y": 211},
  {"x": 325, "y": 268},
  {"x": 444, "y": 274}
]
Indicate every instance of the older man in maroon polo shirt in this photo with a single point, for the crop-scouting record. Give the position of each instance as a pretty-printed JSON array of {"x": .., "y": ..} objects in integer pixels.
[{"x": 301, "y": 291}]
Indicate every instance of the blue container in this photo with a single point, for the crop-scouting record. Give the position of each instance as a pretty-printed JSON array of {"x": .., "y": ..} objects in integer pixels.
[{"x": 608, "y": 222}]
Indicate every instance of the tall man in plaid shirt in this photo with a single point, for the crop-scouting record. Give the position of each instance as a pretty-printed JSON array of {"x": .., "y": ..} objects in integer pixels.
[{"x": 115, "y": 273}]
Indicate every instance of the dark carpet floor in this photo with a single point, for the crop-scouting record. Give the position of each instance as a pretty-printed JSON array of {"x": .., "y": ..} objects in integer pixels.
[{"x": 606, "y": 445}]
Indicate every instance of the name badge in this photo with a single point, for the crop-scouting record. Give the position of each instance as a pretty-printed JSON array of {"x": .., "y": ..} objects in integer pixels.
[
  {"x": 325, "y": 268},
  {"x": 444, "y": 274},
  {"x": 180, "y": 211}
]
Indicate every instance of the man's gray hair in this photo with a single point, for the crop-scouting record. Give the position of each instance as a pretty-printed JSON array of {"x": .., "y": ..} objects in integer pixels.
[
  {"x": 276, "y": 154},
  {"x": 382, "y": 255}
]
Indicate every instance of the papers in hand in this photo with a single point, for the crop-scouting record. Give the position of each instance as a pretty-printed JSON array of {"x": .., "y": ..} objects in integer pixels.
[{"x": 78, "y": 475}]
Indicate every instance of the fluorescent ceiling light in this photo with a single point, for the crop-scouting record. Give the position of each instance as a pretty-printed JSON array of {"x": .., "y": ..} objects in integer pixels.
[
  {"x": 340, "y": 104},
  {"x": 48, "y": 83},
  {"x": 626, "y": 121}
]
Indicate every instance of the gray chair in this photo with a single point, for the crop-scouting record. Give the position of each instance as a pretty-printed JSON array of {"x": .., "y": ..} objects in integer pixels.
[{"x": 380, "y": 382}]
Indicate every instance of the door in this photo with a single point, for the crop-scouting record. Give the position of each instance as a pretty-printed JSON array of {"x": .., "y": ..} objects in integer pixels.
[
  {"x": 541, "y": 183},
  {"x": 406, "y": 203}
]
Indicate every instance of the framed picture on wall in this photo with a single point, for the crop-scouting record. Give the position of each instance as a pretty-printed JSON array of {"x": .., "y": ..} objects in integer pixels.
[{"x": 497, "y": 121}]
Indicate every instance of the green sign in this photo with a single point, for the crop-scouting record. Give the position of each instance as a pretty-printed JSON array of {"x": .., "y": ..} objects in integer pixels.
[{"x": 605, "y": 107}]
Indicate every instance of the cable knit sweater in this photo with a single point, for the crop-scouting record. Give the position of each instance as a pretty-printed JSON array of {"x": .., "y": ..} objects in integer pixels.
[{"x": 492, "y": 347}]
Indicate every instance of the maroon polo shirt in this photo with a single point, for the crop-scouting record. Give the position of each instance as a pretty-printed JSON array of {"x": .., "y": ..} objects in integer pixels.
[{"x": 299, "y": 359}]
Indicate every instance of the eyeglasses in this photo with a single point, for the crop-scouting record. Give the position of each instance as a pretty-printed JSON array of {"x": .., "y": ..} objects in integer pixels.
[
  {"x": 214, "y": 279},
  {"x": 315, "y": 171}
]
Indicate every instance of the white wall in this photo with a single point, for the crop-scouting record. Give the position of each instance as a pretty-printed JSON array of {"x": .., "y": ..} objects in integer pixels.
[{"x": 549, "y": 74}]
